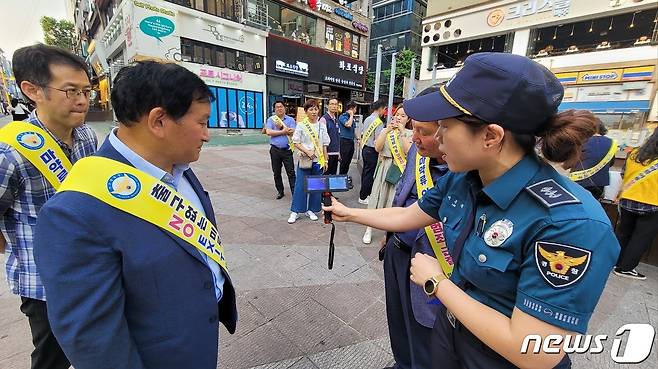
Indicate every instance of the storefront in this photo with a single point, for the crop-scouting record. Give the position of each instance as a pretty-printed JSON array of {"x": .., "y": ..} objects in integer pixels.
[
  {"x": 297, "y": 72},
  {"x": 227, "y": 55},
  {"x": 620, "y": 97}
]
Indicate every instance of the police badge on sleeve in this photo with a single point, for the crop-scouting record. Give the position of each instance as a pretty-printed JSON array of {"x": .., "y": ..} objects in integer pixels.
[{"x": 561, "y": 265}]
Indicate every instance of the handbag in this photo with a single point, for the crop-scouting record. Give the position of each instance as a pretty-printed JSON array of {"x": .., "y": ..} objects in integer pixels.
[
  {"x": 304, "y": 162},
  {"x": 393, "y": 175}
]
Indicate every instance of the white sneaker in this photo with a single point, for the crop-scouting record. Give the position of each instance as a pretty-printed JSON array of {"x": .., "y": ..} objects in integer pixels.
[
  {"x": 312, "y": 215},
  {"x": 367, "y": 237},
  {"x": 364, "y": 202},
  {"x": 293, "y": 218}
]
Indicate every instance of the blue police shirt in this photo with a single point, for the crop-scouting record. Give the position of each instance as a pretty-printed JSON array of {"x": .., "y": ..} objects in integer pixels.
[{"x": 557, "y": 246}]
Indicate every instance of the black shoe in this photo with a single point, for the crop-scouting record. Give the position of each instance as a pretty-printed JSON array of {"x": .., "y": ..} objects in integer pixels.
[
  {"x": 279, "y": 196},
  {"x": 632, "y": 274}
]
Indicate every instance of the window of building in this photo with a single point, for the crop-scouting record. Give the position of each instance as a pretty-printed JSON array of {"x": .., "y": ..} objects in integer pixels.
[
  {"x": 616, "y": 32},
  {"x": 453, "y": 55},
  {"x": 204, "y": 53},
  {"x": 291, "y": 24},
  {"x": 229, "y": 9},
  {"x": 342, "y": 41}
]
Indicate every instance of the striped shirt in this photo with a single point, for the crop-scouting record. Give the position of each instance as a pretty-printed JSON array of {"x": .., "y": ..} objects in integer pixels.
[{"x": 23, "y": 191}]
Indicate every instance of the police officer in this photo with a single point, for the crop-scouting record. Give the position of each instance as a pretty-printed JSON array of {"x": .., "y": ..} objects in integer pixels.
[
  {"x": 532, "y": 250},
  {"x": 410, "y": 317}
]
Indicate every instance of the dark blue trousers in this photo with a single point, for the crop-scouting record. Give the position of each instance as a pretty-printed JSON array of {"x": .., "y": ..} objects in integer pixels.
[{"x": 410, "y": 341}]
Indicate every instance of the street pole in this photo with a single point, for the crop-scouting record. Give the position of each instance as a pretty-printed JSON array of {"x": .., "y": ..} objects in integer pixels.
[
  {"x": 378, "y": 72},
  {"x": 391, "y": 89},
  {"x": 412, "y": 82},
  {"x": 434, "y": 74}
]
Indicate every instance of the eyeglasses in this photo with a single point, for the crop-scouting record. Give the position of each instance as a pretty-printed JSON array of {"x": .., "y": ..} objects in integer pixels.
[{"x": 72, "y": 93}]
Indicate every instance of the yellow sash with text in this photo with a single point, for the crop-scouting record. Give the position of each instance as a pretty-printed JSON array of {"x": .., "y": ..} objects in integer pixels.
[
  {"x": 279, "y": 122},
  {"x": 39, "y": 148},
  {"x": 306, "y": 124},
  {"x": 393, "y": 141},
  {"x": 370, "y": 130},
  {"x": 141, "y": 195},
  {"x": 434, "y": 231},
  {"x": 586, "y": 173}
]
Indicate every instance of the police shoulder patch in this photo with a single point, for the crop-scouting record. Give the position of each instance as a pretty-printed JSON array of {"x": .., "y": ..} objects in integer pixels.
[
  {"x": 561, "y": 265},
  {"x": 550, "y": 193}
]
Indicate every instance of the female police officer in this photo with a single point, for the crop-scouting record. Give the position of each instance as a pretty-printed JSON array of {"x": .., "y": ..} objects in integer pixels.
[{"x": 532, "y": 250}]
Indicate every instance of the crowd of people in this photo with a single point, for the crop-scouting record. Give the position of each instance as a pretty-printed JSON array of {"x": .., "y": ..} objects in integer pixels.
[{"x": 484, "y": 236}]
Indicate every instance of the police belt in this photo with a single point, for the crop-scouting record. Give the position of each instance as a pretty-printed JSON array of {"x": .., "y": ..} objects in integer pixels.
[{"x": 397, "y": 242}]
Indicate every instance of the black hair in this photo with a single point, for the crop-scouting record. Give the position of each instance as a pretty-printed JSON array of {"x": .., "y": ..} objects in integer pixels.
[
  {"x": 648, "y": 152},
  {"x": 350, "y": 105},
  {"x": 601, "y": 129},
  {"x": 32, "y": 63},
  {"x": 147, "y": 85},
  {"x": 561, "y": 138},
  {"x": 278, "y": 102},
  {"x": 381, "y": 103}
]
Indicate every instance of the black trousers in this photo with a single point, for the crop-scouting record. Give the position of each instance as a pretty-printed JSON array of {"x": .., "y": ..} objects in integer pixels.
[
  {"x": 635, "y": 233},
  {"x": 281, "y": 157},
  {"x": 332, "y": 165},
  {"x": 47, "y": 354},
  {"x": 370, "y": 157},
  {"x": 346, "y": 155},
  {"x": 410, "y": 341},
  {"x": 457, "y": 348}
]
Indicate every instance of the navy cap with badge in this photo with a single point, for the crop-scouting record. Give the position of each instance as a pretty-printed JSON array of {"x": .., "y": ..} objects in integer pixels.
[{"x": 513, "y": 91}]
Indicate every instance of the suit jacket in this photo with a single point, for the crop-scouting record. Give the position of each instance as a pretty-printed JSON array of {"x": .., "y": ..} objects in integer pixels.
[
  {"x": 123, "y": 293},
  {"x": 424, "y": 313}
]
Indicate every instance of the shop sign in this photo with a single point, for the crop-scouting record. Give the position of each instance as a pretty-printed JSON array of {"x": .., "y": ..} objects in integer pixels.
[
  {"x": 560, "y": 8},
  {"x": 599, "y": 76},
  {"x": 344, "y": 14},
  {"x": 360, "y": 26},
  {"x": 347, "y": 66},
  {"x": 224, "y": 76},
  {"x": 223, "y": 37},
  {"x": 342, "y": 81},
  {"x": 638, "y": 73},
  {"x": 298, "y": 69},
  {"x": 154, "y": 8},
  {"x": 318, "y": 5}
]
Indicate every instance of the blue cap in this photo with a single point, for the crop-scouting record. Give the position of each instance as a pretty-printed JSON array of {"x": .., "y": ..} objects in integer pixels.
[{"x": 510, "y": 90}]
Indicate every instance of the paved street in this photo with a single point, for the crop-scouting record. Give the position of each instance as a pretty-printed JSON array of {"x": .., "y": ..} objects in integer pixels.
[{"x": 294, "y": 313}]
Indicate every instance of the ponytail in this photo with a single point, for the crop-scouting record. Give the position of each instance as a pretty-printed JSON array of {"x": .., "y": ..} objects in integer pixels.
[{"x": 564, "y": 135}]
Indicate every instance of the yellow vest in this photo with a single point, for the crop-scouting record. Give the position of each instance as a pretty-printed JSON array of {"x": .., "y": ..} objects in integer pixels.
[{"x": 644, "y": 190}]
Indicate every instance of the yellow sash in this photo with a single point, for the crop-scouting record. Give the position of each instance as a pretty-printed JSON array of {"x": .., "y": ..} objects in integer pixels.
[
  {"x": 278, "y": 121},
  {"x": 37, "y": 146},
  {"x": 434, "y": 231},
  {"x": 137, "y": 193},
  {"x": 586, "y": 173},
  {"x": 370, "y": 130},
  {"x": 316, "y": 141},
  {"x": 396, "y": 150}
]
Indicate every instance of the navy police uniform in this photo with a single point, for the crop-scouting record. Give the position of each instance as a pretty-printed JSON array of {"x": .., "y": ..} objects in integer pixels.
[
  {"x": 410, "y": 317},
  {"x": 531, "y": 239}
]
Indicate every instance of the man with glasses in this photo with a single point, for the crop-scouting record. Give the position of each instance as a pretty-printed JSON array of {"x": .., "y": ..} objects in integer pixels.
[{"x": 35, "y": 157}]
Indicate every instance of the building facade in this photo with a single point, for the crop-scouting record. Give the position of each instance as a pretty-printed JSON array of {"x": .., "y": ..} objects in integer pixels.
[
  {"x": 396, "y": 26},
  {"x": 225, "y": 42},
  {"x": 603, "y": 51}
]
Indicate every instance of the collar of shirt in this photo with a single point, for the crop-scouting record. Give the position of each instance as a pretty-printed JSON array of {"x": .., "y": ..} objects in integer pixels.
[
  {"x": 504, "y": 189},
  {"x": 34, "y": 119},
  {"x": 142, "y": 164}
]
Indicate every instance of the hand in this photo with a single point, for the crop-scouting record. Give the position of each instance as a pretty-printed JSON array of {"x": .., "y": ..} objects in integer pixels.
[
  {"x": 289, "y": 131},
  {"x": 424, "y": 267},
  {"x": 340, "y": 212}
]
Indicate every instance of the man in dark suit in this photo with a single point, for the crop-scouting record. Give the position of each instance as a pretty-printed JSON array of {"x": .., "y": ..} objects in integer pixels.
[{"x": 123, "y": 290}]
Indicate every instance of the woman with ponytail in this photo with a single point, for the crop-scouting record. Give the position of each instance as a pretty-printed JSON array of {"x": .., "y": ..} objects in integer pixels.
[
  {"x": 531, "y": 249},
  {"x": 638, "y": 207}
]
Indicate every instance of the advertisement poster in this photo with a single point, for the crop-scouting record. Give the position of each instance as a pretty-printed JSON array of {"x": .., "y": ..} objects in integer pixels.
[{"x": 152, "y": 30}]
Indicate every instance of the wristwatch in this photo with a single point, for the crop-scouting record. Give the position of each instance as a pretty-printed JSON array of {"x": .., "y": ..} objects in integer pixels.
[{"x": 432, "y": 284}]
